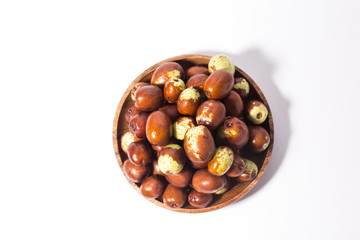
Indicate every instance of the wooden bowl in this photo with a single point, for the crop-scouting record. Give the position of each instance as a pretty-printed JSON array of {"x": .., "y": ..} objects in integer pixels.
[{"x": 238, "y": 190}]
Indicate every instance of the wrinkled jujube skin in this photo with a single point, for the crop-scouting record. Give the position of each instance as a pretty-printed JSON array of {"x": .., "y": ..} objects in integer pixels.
[
  {"x": 139, "y": 153},
  {"x": 199, "y": 200},
  {"x": 135, "y": 173},
  {"x": 219, "y": 84},
  {"x": 158, "y": 128},
  {"x": 137, "y": 124},
  {"x": 174, "y": 197},
  {"x": 148, "y": 98}
]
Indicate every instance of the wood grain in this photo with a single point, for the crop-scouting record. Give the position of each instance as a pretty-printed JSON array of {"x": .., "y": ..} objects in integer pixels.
[{"x": 238, "y": 190}]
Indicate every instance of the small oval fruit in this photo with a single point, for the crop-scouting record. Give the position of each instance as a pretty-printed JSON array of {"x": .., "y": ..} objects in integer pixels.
[
  {"x": 199, "y": 144},
  {"x": 139, "y": 153},
  {"x": 221, "y": 61},
  {"x": 237, "y": 168},
  {"x": 126, "y": 139},
  {"x": 189, "y": 101},
  {"x": 130, "y": 112},
  {"x": 199, "y": 200},
  {"x": 135, "y": 173},
  {"x": 171, "y": 111},
  {"x": 241, "y": 87},
  {"x": 250, "y": 172},
  {"x": 219, "y": 84},
  {"x": 167, "y": 71},
  {"x": 259, "y": 139},
  {"x": 174, "y": 197},
  {"x": 256, "y": 111},
  {"x": 158, "y": 128},
  {"x": 194, "y": 70},
  {"x": 171, "y": 159},
  {"x": 233, "y": 133},
  {"x": 137, "y": 124},
  {"x": 136, "y": 87},
  {"x": 221, "y": 161},
  {"x": 148, "y": 98},
  {"x": 211, "y": 113},
  {"x": 152, "y": 187},
  {"x": 233, "y": 104},
  {"x": 156, "y": 169},
  {"x": 197, "y": 81},
  {"x": 172, "y": 89},
  {"x": 181, "y": 179},
  {"x": 224, "y": 189},
  {"x": 181, "y": 125},
  {"x": 205, "y": 182}
]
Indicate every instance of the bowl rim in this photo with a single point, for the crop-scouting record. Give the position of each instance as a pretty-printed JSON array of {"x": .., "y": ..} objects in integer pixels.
[{"x": 116, "y": 139}]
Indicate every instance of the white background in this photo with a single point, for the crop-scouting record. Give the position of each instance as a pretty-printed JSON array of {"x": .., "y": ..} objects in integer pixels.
[{"x": 64, "y": 66}]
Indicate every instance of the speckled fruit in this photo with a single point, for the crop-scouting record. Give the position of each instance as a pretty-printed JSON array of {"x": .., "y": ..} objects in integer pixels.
[
  {"x": 199, "y": 200},
  {"x": 189, "y": 101},
  {"x": 167, "y": 71},
  {"x": 137, "y": 124},
  {"x": 171, "y": 159},
  {"x": 158, "y": 128},
  {"x": 126, "y": 139},
  {"x": 181, "y": 125},
  {"x": 237, "y": 168},
  {"x": 172, "y": 89},
  {"x": 135, "y": 173},
  {"x": 194, "y": 70},
  {"x": 148, "y": 98},
  {"x": 233, "y": 133},
  {"x": 221, "y": 161},
  {"x": 181, "y": 179},
  {"x": 136, "y": 87},
  {"x": 250, "y": 172},
  {"x": 205, "y": 182},
  {"x": 198, "y": 81},
  {"x": 139, "y": 153},
  {"x": 130, "y": 112},
  {"x": 256, "y": 111},
  {"x": 233, "y": 104},
  {"x": 219, "y": 84},
  {"x": 223, "y": 62},
  {"x": 152, "y": 187},
  {"x": 199, "y": 144},
  {"x": 259, "y": 139},
  {"x": 174, "y": 197},
  {"x": 241, "y": 87},
  {"x": 211, "y": 113},
  {"x": 171, "y": 111}
]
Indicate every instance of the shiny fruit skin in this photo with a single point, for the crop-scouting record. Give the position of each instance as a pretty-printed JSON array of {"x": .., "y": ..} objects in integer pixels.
[
  {"x": 233, "y": 104},
  {"x": 197, "y": 81},
  {"x": 211, "y": 113},
  {"x": 167, "y": 71},
  {"x": 181, "y": 179},
  {"x": 237, "y": 168},
  {"x": 126, "y": 139},
  {"x": 181, "y": 125},
  {"x": 256, "y": 111},
  {"x": 189, "y": 101},
  {"x": 171, "y": 159},
  {"x": 148, "y": 98},
  {"x": 135, "y": 173},
  {"x": 158, "y": 128},
  {"x": 152, "y": 187},
  {"x": 199, "y": 165},
  {"x": 171, "y": 111},
  {"x": 241, "y": 87},
  {"x": 137, "y": 124},
  {"x": 156, "y": 169},
  {"x": 225, "y": 188},
  {"x": 199, "y": 144},
  {"x": 221, "y": 161},
  {"x": 172, "y": 89},
  {"x": 233, "y": 133},
  {"x": 205, "y": 182},
  {"x": 221, "y": 61},
  {"x": 139, "y": 153},
  {"x": 174, "y": 197},
  {"x": 250, "y": 172},
  {"x": 130, "y": 112},
  {"x": 194, "y": 70},
  {"x": 199, "y": 200},
  {"x": 219, "y": 84},
  {"x": 259, "y": 139},
  {"x": 136, "y": 87}
]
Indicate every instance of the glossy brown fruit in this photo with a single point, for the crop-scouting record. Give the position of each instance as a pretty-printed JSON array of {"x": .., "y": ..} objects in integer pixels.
[
  {"x": 126, "y": 139},
  {"x": 167, "y": 71},
  {"x": 197, "y": 81},
  {"x": 172, "y": 89},
  {"x": 221, "y": 161},
  {"x": 171, "y": 159},
  {"x": 199, "y": 200},
  {"x": 211, "y": 113},
  {"x": 256, "y": 111},
  {"x": 233, "y": 104},
  {"x": 130, "y": 112},
  {"x": 171, "y": 111},
  {"x": 237, "y": 168},
  {"x": 205, "y": 182},
  {"x": 156, "y": 169},
  {"x": 148, "y": 98},
  {"x": 199, "y": 144},
  {"x": 194, "y": 70},
  {"x": 225, "y": 188},
  {"x": 181, "y": 125},
  {"x": 259, "y": 139},
  {"x": 158, "y": 128},
  {"x": 233, "y": 133},
  {"x": 136, "y": 87},
  {"x": 241, "y": 87},
  {"x": 152, "y": 187},
  {"x": 158, "y": 148},
  {"x": 174, "y": 197},
  {"x": 219, "y": 84},
  {"x": 181, "y": 179},
  {"x": 137, "y": 124},
  {"x": 139, "y": 153},
  {"x": 189, "y": 101},
  {"x": 199, "y": 165},
  {"x": 250, "y": 172},
  {"x": 135, "y": 173}
]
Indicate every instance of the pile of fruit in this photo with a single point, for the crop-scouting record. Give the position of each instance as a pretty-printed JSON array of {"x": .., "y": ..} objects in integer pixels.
[{"x": 187, "y": 130}]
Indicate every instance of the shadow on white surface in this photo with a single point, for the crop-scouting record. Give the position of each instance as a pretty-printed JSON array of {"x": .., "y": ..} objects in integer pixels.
[{"x": 261, "y": 70}]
